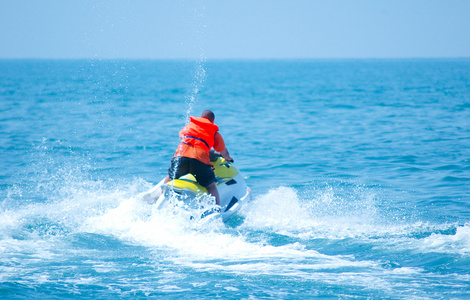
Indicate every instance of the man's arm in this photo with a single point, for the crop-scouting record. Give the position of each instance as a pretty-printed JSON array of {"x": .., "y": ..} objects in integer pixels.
[{"x": 219, "y": 146}]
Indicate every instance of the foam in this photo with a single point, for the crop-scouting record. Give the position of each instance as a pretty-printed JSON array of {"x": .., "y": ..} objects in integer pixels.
[
  {"x": 328, "y": 216},
  {"x": 458, "y": 243},
  {"x": 210, "y": 246},
  {"x": 114, "y": 210},
  {"x": 324, "y": 216}
]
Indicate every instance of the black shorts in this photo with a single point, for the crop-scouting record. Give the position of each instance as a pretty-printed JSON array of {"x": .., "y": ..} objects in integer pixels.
[{"x": 183, "y": 165}]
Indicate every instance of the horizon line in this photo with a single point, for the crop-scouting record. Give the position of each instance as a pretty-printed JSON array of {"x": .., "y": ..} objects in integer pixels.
[{"x": 235, "y": 58}]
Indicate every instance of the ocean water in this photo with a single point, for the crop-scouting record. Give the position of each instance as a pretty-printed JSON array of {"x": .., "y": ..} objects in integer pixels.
[{"x": 359, "y": 170}]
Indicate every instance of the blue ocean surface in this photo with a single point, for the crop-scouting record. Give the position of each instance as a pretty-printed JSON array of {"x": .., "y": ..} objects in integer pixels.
[{"x": 359, "y": 171}]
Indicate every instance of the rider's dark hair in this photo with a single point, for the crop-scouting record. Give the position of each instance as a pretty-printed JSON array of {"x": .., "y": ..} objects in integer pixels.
[{"x": 209, "y": 115}]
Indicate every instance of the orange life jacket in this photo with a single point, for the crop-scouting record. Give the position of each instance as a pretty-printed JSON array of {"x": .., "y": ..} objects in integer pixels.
[{"x": 200, "y": 133}]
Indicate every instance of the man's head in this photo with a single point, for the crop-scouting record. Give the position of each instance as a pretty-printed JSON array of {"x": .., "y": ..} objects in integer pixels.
[{"x": 209, "y": 115}]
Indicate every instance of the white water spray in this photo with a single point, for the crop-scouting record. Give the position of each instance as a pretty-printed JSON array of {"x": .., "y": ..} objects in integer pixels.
[{"x": 200, "y": 71}]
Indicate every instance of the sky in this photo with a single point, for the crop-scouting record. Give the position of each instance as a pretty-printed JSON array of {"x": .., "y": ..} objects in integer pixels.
[{"x": 234, "y": 29}]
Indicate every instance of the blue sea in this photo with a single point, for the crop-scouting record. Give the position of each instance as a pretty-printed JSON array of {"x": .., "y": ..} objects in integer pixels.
[{"x": 359, "y": 171}]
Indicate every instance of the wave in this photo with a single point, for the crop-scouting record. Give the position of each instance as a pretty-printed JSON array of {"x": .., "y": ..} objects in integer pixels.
[
  {"x": 279, "y": 224},
  {"x": 99, "y": 232},
  {"x": 326, "y": 215}
]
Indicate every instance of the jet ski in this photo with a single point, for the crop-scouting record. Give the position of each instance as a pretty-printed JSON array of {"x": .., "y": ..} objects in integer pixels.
[{"x": 233, "y": 191}]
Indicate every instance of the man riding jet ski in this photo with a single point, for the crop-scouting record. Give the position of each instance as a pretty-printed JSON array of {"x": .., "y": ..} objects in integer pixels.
[
  {"x": 191, "y": 171},
  {"x": 192, "y": 154}
]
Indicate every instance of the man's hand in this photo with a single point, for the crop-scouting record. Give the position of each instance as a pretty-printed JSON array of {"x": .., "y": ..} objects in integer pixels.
[{"x": 226, "y": 155}]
